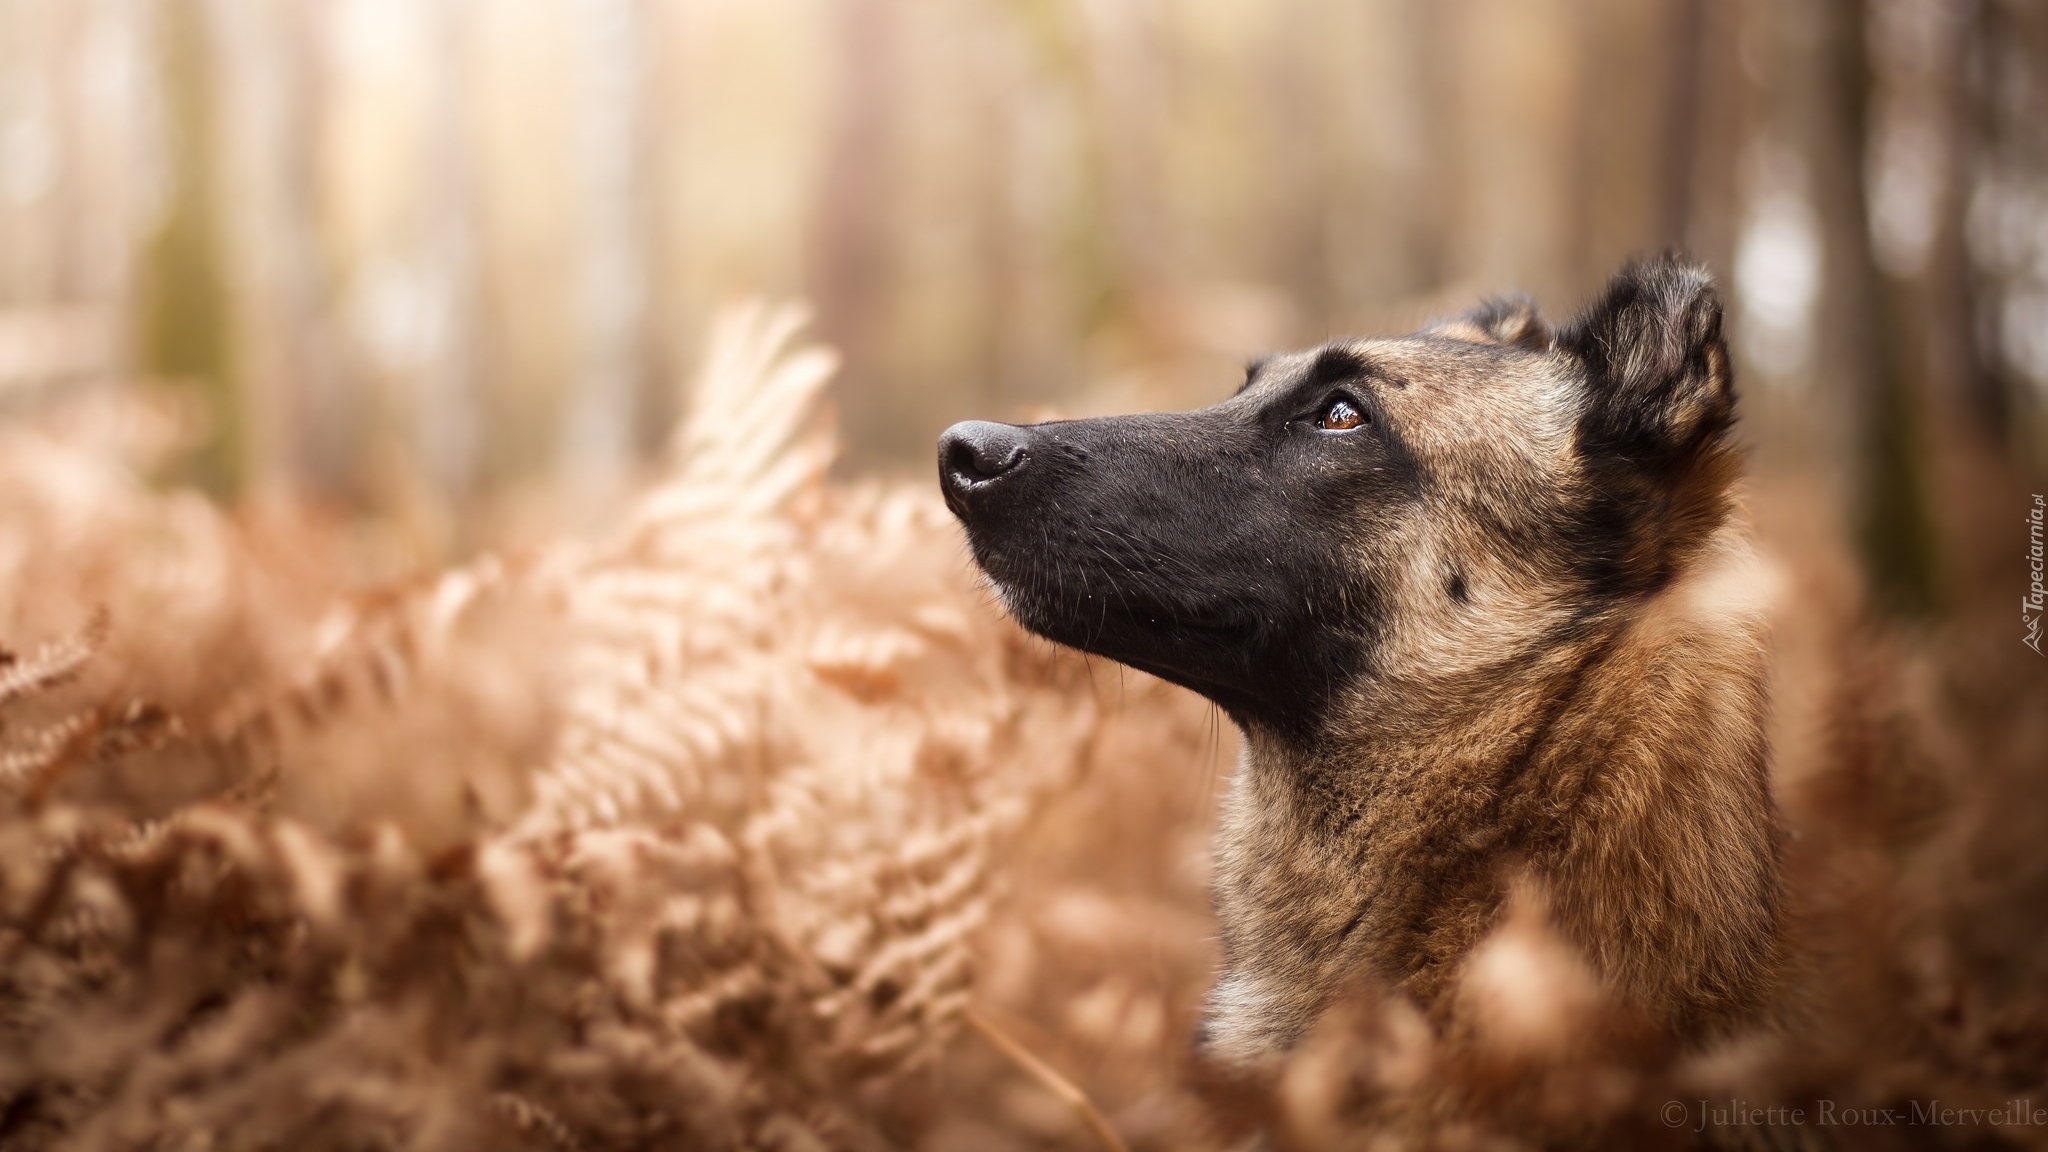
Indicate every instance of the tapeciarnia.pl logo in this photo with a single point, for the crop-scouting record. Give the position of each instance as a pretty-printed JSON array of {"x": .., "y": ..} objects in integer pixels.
[{"x": 2032, "y": 604}]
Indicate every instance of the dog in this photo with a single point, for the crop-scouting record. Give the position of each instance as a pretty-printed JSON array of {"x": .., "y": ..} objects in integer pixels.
[{"x": 1480, "y": 600}]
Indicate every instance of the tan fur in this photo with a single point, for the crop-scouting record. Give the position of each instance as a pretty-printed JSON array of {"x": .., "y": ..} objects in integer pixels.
[{"x": 1618, "y": 760}]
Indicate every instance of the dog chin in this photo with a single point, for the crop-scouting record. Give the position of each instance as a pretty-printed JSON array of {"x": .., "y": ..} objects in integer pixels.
[
  {"x": 1025, "y": 610},
  {"x": 1012, "y": 601},
  {"x": 1041, "y": 618},
  {"x": 1037, "y": 617}
]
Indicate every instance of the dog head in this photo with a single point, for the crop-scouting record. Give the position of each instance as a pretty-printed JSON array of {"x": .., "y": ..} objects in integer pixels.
[{"x": 1403, "y": 509}]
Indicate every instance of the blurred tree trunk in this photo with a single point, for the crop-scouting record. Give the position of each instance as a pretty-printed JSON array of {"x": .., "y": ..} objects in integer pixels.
[
  {"x": 999, "y": 359},
  {"x": 93, "y": 186},
  {"x": 1953, "y": 297},
  {"x": 657, "y": 93},
  {"x": 1126, "y": 266},
  {"x": 66, "y": 196},
  {"x": 1865, "y": 340},
  {"x": 849, "y": 273},
  {"x": 1430, "y": 243},
  {"x": 1721, "y": 119},
  {"x": 32, "y": 152},
  {"x": 325, "y": 426},
  {"x": 2009, "y": 267},
  {"x": 304, "y": 430},
  {"x": 1927, "y": 135},
  {"x": 1073, "y": 283},
  {"x": 1528, "y": 196},
  {"x": 612, "y": 273},
  {"x": 1686, "y": 50},
  {"x": 183, "y": 327},
  {"x": 1303, "y": 161},
  {"x": 1628, "y": 133},
  {"x": 1419, "y": 154},
  {"x": 1380, "y": 68},
  {"x": 446, "y": 413}
]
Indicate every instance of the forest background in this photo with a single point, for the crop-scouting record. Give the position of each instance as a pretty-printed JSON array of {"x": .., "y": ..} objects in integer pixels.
[
  {"x": 456, "y": 688},
  {"x": 438, "y": 266}
]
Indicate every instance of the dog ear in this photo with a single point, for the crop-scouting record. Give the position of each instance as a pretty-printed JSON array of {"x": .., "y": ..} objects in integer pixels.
[
  {"x": 1657, "y": 376},
  {"x": 1501, "y": 320}
]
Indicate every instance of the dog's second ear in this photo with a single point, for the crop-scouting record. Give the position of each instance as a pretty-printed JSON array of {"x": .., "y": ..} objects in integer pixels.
[
  {"x": 1501, "y": 320},
  {"x": 1657, "y": 376}
]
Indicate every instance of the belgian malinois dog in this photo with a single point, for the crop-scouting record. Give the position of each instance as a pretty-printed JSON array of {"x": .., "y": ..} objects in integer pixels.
[{"x": 1479, "y": 600}]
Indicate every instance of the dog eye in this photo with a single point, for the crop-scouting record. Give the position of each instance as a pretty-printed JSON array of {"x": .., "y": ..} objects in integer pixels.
[{"x": 1341, "y": 415}]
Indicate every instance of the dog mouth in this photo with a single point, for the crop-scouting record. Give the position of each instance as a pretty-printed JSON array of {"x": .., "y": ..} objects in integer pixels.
[
  {"x": 1207, "y": 651},
  {"x": 1090, "y": 607}
]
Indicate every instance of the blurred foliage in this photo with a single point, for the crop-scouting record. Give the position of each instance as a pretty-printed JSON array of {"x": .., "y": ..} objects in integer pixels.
[
  {"x": 185, "y": 328},
  {"x": 410, "y": 281},
  {"x": 424, "y": 258}
]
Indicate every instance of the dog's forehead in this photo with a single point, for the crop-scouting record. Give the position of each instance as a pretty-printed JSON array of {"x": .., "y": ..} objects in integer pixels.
[
  {"x": 1488, "y": 409},
  {"x": 1278, "y": 371},
  {"x": 1442, "y": 368},
  {"x": 1462, "y": 407},
  {"x": 1432, "y": 367}
]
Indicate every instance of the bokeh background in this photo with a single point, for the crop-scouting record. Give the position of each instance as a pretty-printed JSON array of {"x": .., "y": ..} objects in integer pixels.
[
  {"x": 437, "y": 266},
  {"x": 414, "y": 291}
]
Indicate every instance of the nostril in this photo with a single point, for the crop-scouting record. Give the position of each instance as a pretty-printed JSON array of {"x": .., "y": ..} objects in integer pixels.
[
  {"x": 960, "y": 461},
  {"x": 986, "y": 461},
  {"x": 977, "y": 451}
]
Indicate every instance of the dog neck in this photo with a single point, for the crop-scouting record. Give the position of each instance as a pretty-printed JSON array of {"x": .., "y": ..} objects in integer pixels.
[{"x": 1623, "y": 768}]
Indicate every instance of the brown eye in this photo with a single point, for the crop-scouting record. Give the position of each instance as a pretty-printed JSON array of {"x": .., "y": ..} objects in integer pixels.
[{"x": 1342, "y": 414}]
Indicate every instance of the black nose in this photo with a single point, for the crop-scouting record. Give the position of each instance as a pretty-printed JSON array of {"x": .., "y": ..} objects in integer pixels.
[{"x": 976, "y": 452}]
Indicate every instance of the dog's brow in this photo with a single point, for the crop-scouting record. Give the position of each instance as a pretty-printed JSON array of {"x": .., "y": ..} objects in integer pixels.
[{"x": 1333, "y": 363}]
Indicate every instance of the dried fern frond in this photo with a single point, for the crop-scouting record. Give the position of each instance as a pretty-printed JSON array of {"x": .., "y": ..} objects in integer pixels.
[
  {"x": 55, "y": 663},
  {"x": 812, "y": 683},
  {"x": 201, "y": 607},
  {"x": 756, "y": 434},
  {"x": 684, "y": 836},
  {"x": 34, "y": 757},
  {"x": 427, "y": 705},
  {"x": 677, "y": 614},
  {"x": 703, "y": 834}
]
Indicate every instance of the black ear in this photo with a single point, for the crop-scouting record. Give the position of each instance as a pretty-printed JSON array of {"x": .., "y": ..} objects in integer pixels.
[
  {"x": 1657, "y": 378},
  {"x": 1501, "y": 320}
]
